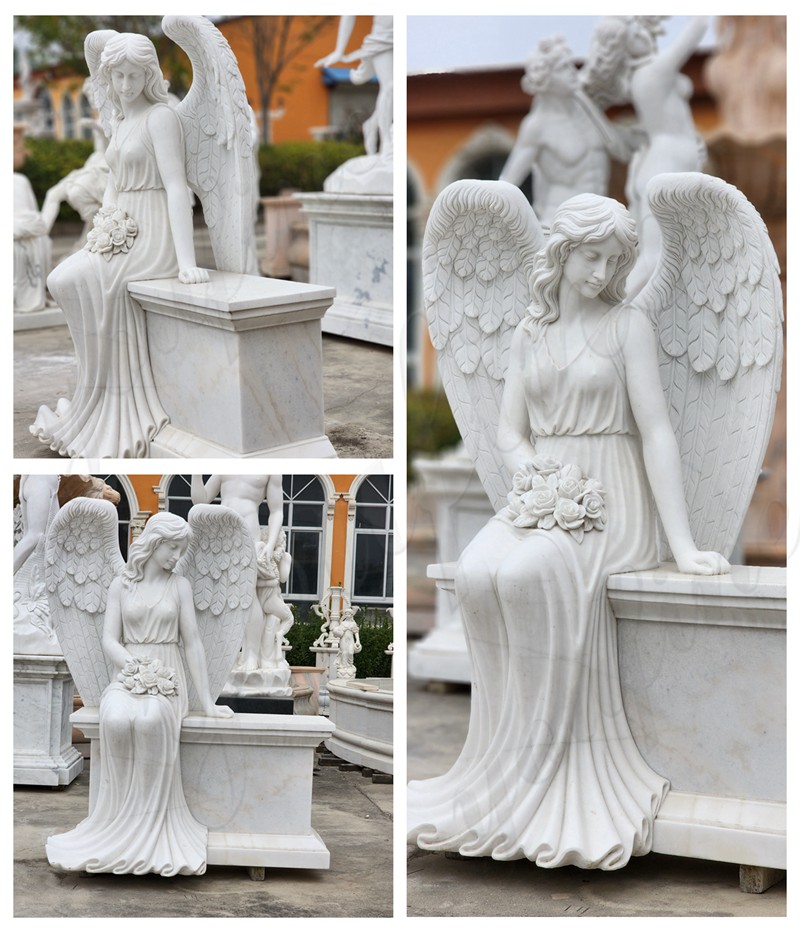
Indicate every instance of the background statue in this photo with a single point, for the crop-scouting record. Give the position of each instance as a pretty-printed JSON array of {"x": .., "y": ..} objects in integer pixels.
[
  {"x": 130, "y": 634},
  {"x": 39, "y": 498},
  {"x": 261, "y": 667},
  {"x": 625, "y": 60},
  {"x": 566, "y": 140},
  {"x": 370, "y": 174},
  {"x": 345, "y": 631},
  {"x": 144, "y": 229},
  {"x": 589, "y": 400},
  {"x": 32, "y": 246}
]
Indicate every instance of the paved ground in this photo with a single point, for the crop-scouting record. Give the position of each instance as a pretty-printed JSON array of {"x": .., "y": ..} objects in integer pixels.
[
  {"x": 357, "y": 386},
  {"x": 351, "y": 814}
]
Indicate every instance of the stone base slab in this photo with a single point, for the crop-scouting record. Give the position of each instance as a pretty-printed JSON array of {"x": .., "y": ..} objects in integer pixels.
[
  {"x": 249, "y": 780},
  {"x": 364, "y": 722},
  {"x": 32, "y": 320},
  {"x": 237, "y": 364}
]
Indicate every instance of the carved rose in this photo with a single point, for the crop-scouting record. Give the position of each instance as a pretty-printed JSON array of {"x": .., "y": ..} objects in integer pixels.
[
  {"x": 112, "y": 232},
  {"x": 547, "y": 495},
  {"x": 544, "y": 466},
  {"x": 150, "y": 676}
]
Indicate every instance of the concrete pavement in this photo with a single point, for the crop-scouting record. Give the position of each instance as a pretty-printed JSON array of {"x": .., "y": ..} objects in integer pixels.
[{"x": 351, "y": 814}]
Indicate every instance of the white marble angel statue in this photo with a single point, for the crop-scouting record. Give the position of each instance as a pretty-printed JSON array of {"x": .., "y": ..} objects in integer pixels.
[
  {"x": 144, "y": 229},
  {"x": 345, "y": 631},
  {"x": 147, "y": 643},
  {"x": 586, "y": 415}
]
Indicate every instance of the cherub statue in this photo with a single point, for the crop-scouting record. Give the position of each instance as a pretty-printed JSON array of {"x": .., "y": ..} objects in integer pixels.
[
  {"x": 130, "y": 634},
  {"x": 144, "y": 229},
  {"x": 566, "y": 140},
  {"x": 345, "y": 631},
  {"x": 370, "y": 174},
  {"x": 586, "y": 415}
]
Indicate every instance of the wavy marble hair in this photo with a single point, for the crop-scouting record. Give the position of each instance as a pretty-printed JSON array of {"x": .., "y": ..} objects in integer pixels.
[
  {"x": 586, "y": 218},
  {"x": 163, "y": 526},
  {"x": 138, "y": 50}
]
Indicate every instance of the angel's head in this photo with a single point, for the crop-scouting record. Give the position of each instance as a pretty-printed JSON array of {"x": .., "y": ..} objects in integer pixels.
[
  {"x": 590, "y": 224},
  {"x": 551, "y": 67},
  {"x": 164, "y": 539},
  {"x": 129, "y": 65}
]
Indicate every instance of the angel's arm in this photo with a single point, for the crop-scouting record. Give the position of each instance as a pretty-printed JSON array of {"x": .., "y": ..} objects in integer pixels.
[
  {"x": 194, "y": 651},
  {"x": 204, "y": 494},
  {"x": 525, "y": 152},
  {"x": 165, "y": 130},
  {"x": 514, "y": 430},
  {"x": 661, "y": 455},
  {"x": 114, "y": 650}
]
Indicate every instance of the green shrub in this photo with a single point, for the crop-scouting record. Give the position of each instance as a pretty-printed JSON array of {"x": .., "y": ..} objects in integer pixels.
[
  {"x": 376, "y": 633},
  {"x": 431, "y": 426},
  {"x": 303, "y": 166},
  {"x": 49, "y": 160}
]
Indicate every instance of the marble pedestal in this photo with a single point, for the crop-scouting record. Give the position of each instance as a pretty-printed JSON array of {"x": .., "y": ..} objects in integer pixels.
[
  {"x": 43, "y": 750},
  {"x": 249, "y": 779},
  {"x": 703, "y": 674},
  {"x": 237, "y": 363},
  {"x": 34, "y": 320},
  {"x": 280, "y": 212},
  {"x": 351, "y": 248},
  {"x": 363, "y": 712},
  {"x": 462, "y": 509}
]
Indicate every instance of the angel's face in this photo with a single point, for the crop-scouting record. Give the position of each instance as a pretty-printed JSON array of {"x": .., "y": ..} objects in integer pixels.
[
  {"x": 563, "y": 78},
  {"x": 167, "y": 553},
  {"x": 591, "y": 266},
  {"x": 128, "y": 80}
]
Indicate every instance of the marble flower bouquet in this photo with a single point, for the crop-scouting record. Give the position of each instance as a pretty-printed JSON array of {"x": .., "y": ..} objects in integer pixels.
[{"x": 548, "y": 494}]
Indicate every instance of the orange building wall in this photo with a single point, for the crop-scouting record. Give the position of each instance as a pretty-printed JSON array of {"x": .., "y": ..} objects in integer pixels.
[{"x": 304, "y": 96}]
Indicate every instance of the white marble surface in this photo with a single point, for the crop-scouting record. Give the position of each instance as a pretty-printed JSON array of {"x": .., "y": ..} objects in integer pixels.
[
  {"x": 33, "y": 320},
  {"x": 703, "y": 674},
  {"x": 362, "y": 710},
  {"x": 247, "y": 381},
  {"x": 249, "y": 779},
  {"x": 43, "y": 750},
  {"x": 351, "y": 248},
  {"x": 462, "y": 508}
]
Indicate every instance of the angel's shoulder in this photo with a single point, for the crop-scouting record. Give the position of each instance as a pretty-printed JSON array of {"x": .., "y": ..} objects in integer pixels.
[
  {"x": 632, "y": 328},
  {"x": 163, "y": 119}
]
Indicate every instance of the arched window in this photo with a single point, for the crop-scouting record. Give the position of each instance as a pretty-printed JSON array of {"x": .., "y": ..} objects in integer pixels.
[
  {"x": 373, "y": 554},
  {"x": 304, "y": 501},
  {"x": 47, "y": 116},
  {"x": 67, "y": 117},
  {"x": 123, "y": 511}
]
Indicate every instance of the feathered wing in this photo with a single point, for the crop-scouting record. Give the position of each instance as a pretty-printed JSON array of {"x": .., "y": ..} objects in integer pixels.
[
  {"x": 220, "y": 159},
  {"x": 82, "y": 558},
  {"x": 477, "y": 257},
  {"x": 715, "y": 303},
  {"x": 93, "y": 46},
  {"x": 220, "y": 565}
]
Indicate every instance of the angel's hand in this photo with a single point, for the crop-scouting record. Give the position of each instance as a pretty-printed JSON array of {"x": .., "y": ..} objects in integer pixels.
[
  {"x": 193, "y": 275},
  {"x": 705, "y": 562},
  {"x": 218, "y": 712}
]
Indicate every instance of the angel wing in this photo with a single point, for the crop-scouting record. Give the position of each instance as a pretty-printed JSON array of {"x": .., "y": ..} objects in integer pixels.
[
  {"x": 715, "y": 303},
  {"x": 477, "y": 257},
  {"x": 82, "y": 558},
  {"x": 220, "y": 160},
  {"x": 93, "y": 46},
  {"x": 220, "y": 565}
]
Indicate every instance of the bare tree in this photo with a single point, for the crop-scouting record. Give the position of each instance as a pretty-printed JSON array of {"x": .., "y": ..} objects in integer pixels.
[{"x": 276, "y": 41}]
